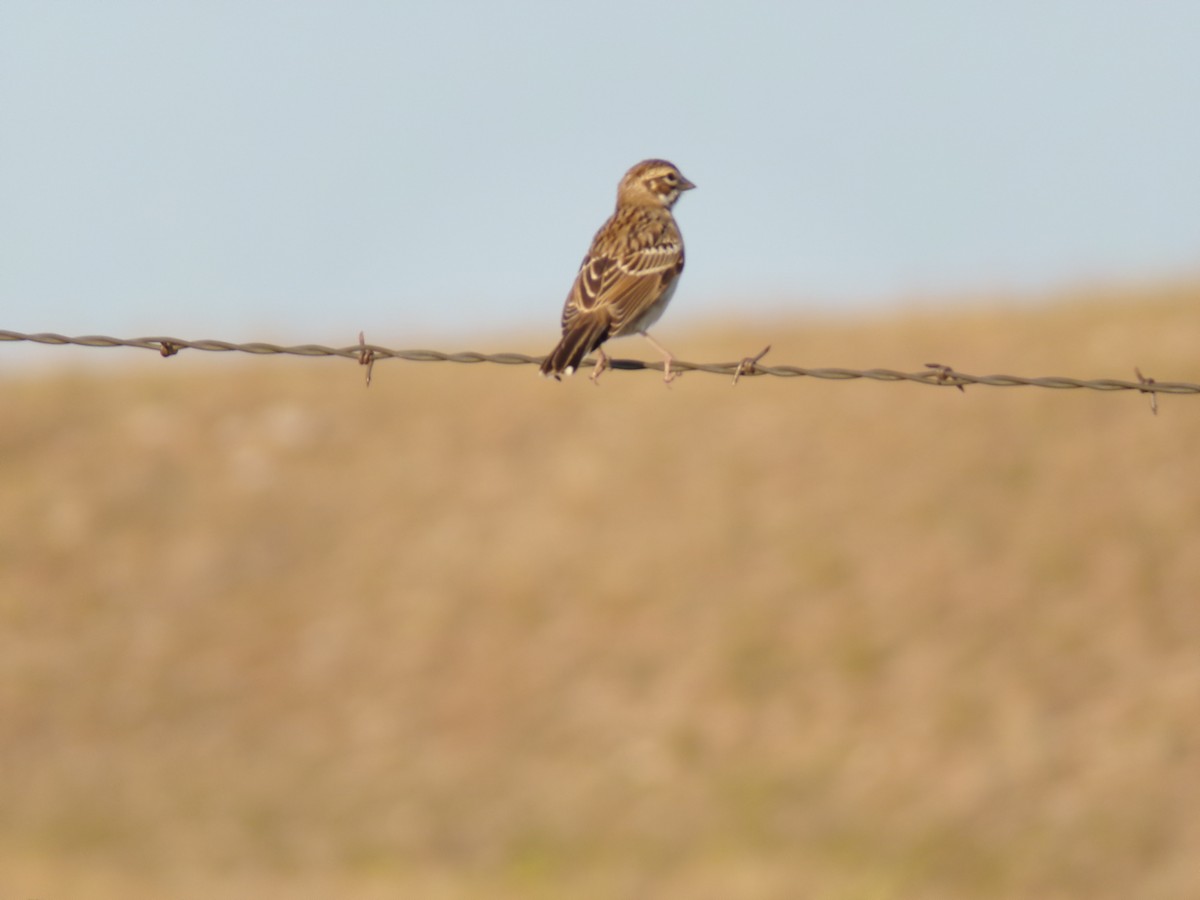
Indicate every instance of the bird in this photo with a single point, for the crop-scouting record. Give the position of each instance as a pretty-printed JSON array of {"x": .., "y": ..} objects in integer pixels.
[{"x": 629, "y": 274}]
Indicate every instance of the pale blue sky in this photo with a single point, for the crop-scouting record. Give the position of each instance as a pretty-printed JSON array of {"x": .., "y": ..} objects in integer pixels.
[{"x": 300, "y": 170}]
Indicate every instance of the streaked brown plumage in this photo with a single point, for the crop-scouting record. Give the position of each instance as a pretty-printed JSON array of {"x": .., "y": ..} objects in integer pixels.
[{"x": 629, "y": 274}]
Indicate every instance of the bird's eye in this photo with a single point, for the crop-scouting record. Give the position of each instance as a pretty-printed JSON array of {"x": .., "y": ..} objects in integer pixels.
[{"x": 671, "y": 179}]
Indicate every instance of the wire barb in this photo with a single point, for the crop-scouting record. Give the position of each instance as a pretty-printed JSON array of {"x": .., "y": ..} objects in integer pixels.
[
  {"x": 366, "y": 356},
  {"x": 946, "y": 375},
  {"x": 1142, "y": 379},
  {"x": 749, "y": 364}
]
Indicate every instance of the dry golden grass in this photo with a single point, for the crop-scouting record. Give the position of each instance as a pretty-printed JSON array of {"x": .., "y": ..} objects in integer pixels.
[{"x": 264, "y": 633}]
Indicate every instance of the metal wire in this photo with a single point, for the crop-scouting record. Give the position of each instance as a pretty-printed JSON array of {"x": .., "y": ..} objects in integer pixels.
[{"x": 933, "y": 374}]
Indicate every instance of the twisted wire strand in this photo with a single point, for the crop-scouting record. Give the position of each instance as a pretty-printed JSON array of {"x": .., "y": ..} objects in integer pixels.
[{"x": 933, "y": 374}]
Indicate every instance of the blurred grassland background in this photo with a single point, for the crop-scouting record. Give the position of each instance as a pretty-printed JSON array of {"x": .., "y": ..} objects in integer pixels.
[{"x": 264, "y": 633}]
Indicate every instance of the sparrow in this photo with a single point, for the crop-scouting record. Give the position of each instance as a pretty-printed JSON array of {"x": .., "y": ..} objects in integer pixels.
[{"x": 630, "y": 273}]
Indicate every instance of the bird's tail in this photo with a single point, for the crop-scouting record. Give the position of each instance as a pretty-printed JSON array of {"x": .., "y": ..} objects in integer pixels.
[{"x": 580, "y": 338}]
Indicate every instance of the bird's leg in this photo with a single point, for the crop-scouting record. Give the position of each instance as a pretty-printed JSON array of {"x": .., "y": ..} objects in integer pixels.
[
  {"x": 668, "y": 375},
  {"x": 601, "y": 365}
]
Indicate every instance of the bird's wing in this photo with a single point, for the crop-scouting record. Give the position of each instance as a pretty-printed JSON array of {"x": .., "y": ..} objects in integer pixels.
[{"x": 622, "y": 278}]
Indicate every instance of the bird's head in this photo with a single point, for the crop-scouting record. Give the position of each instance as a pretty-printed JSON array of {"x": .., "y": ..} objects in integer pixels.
[{"x": 653, "y": 181}]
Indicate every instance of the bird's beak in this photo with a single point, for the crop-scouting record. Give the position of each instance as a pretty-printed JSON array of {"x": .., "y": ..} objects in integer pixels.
[{"x": 684, "y": 184}]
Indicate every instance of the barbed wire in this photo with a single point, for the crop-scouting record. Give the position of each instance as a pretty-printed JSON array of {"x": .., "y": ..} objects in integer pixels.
[{"x": 934, "y": 374}]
